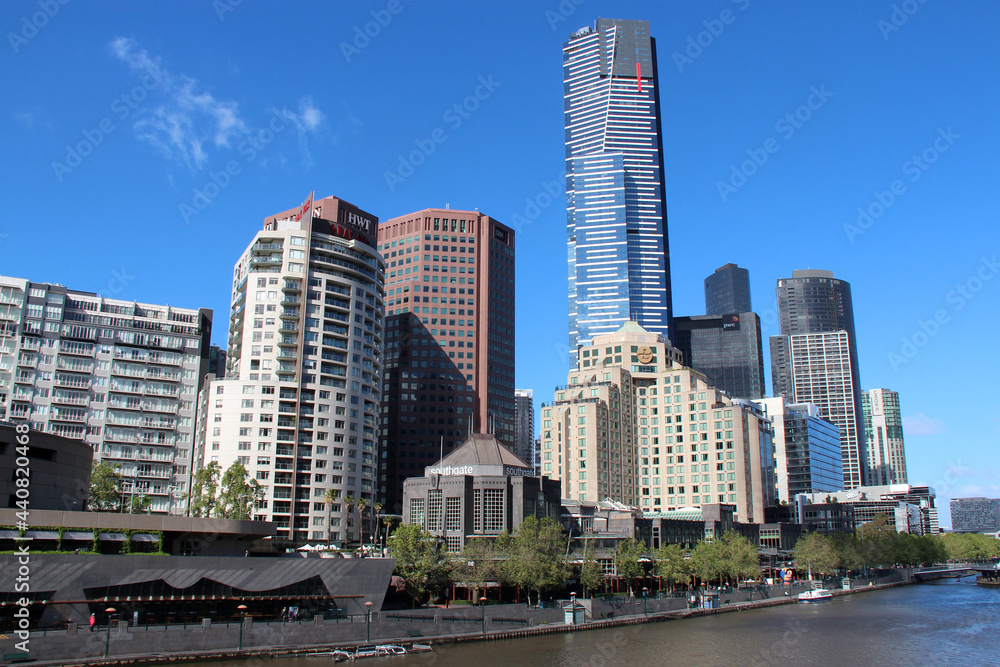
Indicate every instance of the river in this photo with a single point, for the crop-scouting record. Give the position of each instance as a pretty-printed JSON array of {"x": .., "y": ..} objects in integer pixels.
[{"x": 951, "y": 622}]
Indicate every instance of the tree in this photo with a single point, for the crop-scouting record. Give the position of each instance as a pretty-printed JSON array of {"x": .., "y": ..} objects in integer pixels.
[
  {"x": 361, "y": 505},
  {"x": 816, "y": 553},
  {"x": 875, "y": 544},
  {"x": 739, "y": 556},
  {"x": 140, "y": 504},
  {"x": 419, "y": 560},
  {"x": 238, "y": 495},
  {"x": 105, "y": 488},
  {"x": 201, "y": 499},
  {"x": 591, "y": 577},
  {"x": 627, "y": 557},
  {"x": 673, "y": 564},
  {"x": 534, "y": 555},
  {"x": 348, "y": 506},
  {"x": 330, "y": 497},
  {"x": 477, "y": 564},
  {"x": 378, "y": 513},
  {"x": 707, "y": 561}
]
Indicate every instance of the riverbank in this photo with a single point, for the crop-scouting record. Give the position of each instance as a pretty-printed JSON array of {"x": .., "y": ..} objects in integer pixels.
[{"x": 425, "y": 634}]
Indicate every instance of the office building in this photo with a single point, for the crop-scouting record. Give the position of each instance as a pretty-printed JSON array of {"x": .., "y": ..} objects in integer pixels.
[
  {"x": 524, "y": 424},
  {"x": 884, "y": 432},
  {"x": 298, "y": 406},
  {"x": 119, "y": 375},
  {"x": 450, "y": 339},
  {"x": 479, "y": 490},
  {"x": 59, "y": 470},
  {"x": 634, "y": 425},
  {"x": 616, "y": 217},
  {"x": 806, "y": 449},
  {"x": 726, "y": 349},
  {"x": 908, "y": 508},
  {"x": 727, "y": 291},
  {"x": 975, "y": 515},
  {"x": 815, "y": 360}
]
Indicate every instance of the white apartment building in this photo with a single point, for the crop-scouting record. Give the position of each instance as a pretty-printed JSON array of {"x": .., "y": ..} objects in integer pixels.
[
  {"x": 119, "y": 375},
  {"x": 299, "y": 404},
  {"x": 635, "y": 425}
]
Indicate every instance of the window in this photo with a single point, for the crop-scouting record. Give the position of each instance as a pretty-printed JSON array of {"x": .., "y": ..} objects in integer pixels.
[
  {"x": 434, "y": 510},
  {"x": 417, "y": 511}
]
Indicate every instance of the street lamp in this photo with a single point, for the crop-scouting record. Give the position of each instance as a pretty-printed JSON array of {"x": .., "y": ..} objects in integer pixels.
[
  {"x": 645, "y": 592},
  {"x": 368, "y": 620},
  {"x": 107, "y": 642},
  {"x": 482, "y": 603},
  {"x": 243, "y": 615}
]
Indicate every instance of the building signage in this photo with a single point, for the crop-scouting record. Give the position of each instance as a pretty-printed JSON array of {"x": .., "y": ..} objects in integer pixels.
[
  {"x": 485, "y": 470},
  {"x": 512, "y": 471},
  {"x": 457, "y": 470},
  {"x": 352, "y": 225},
  {"x": 730, "y": 322}
]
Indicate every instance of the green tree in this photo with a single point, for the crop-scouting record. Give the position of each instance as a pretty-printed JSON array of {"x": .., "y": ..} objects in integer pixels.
[
  {"x": 376, "y": 539},
  {"x": 201, "y": 499},
  {"x": 476, "y": 565},
  {"x": 673, "y": 564},
  {"x": 816, "y": 553},
  {"x": 739, "y": 557},
  {"x": 330, "y": 498},
  {"x": 361, "y": 505},
  {"x": 708, "y": 561},
  {"x": 591, "y": 577},
  {"x": 105, "y": 488},
  {"x": 140, "y": 504},
  {"x": 534, "y": 555},
  {"x": 875, "y": 541},
  {"x": 238, "y": 494},
  {"x": 419, "y": 561},
  {"x": 628, "y": 557}
]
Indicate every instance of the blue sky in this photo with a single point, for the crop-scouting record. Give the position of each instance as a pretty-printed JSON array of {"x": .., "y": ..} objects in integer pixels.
[{"x": 117, "y": 113}]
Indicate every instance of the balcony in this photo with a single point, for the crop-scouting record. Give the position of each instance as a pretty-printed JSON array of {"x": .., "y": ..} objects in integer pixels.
[
  {"x": 288, "y": 327},
  {"x": 287, "y": 299},
  {"x": 79, "y": 349},
  {"x": 163, "y": 375},
  {"x": 265, "y": 260},
  {"x": 288, "y": 341},
  {"x": 289, "y": 314},
  {"x": 71, "y": 381},
  {"x": 79, "y": 416},
  {"x": 68, "y": 399},
  {"x": 159, "y": 423}
]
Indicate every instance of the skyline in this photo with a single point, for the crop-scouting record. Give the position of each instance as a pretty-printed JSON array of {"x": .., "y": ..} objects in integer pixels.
[{"x": 800, "y": 131}]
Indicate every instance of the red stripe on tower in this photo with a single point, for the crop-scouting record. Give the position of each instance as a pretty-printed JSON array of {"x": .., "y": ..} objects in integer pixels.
[{"x": 638, "y": 75}]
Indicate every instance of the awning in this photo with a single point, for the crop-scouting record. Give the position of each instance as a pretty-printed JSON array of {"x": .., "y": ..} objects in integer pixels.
[
  {"x": 111, "y": 537},
  {"x": 145, "y": 537},
  {"x": 42, "y": 534},
  {"x": 8, "y": 534},
  {"x": 77, "y": 535}
]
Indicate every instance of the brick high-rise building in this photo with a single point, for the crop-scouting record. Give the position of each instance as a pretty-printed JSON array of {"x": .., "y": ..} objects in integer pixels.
[{"x": 449, "y": 339}]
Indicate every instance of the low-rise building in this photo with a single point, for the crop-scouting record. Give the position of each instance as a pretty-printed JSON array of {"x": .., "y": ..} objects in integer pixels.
[
  {"x": 975, "y": 515},
  {"x": 908, "y": 508}
]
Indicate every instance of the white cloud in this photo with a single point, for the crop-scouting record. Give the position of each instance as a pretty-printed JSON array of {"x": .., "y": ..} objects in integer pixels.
[
  {"x": 921, "y": 424},
  {"x": 184, "y": 118},
  {"x": 308, "y": 120},
  {"x": 27, "y": 118}
]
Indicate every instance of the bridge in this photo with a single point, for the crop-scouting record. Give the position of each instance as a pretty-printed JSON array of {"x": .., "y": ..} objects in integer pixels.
[{"x": 951, "y": 571}]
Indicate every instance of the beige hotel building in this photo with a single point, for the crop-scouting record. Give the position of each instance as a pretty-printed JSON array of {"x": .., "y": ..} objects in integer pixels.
[{"x": 635, "y": 425}]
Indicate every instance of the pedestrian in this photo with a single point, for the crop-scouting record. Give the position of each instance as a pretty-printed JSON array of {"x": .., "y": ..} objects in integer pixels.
[{"x": 93, "y": 622}]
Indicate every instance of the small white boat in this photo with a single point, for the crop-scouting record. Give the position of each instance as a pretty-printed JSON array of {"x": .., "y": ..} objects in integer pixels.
[
  {"x": 816, "y": 595},
  {"x": 420, "y": 648}
]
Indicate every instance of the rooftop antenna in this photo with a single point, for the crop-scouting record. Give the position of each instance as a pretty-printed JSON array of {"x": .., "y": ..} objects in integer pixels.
[{"x": 442, "y": 449}]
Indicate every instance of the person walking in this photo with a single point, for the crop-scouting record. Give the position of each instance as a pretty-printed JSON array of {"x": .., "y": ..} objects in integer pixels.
[{"x": 93, "y": 622}]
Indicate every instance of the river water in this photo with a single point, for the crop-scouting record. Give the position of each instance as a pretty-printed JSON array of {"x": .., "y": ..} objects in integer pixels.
[{"x": 952, "y": 622}]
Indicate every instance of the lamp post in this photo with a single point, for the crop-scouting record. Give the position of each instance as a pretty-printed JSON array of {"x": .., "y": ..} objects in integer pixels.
[
  {"x": 645, "y": 592},
  {"x": 243, "y": 615},
  {"x": 368, "y": 620},
  {"x": 482, "y": 603},
  {"x": 107, "y": 642}
]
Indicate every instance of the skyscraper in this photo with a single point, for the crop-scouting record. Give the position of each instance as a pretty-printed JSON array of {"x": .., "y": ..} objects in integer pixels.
[
  {"x": 726, "y": 348},
  {"x": 815, "y": 359},
  {"x": 806, "y": 449},
  {"x": 449, "y": 339},
  {"x": 119, "y": 375},
  {"x": 975, "y": 515},
  {"x": 727, "y": 291},
  {"x": 299, "y": 404},
  {"x": 616, "y": 217},
  {"x": 524, "y": 424},
  {"x": 884, "y": 431}
]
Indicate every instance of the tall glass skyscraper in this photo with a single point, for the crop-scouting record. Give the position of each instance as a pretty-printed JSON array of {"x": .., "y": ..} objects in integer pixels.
[
  {"x": 727, "y": 291},
  {"x": 884, "y": 430},
  {"x": 615, "y": 203}
]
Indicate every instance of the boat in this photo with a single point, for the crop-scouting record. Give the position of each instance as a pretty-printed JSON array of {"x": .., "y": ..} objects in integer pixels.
[
  {"x": 992, "y": 581},
  {"x": 390, "y": 649},
  {"x": 337, "y": 656},
  {"x": 816, "y": 595},
  {"x": 420, "y": 648}
]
